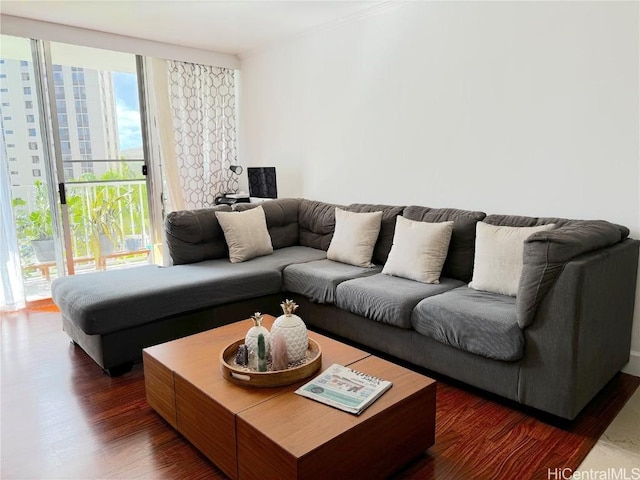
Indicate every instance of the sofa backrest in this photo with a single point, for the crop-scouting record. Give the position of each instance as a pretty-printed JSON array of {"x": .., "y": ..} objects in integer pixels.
[
  {"x": 282, "y": 220},
  {"x": 195, "y": 235},
  {"x": 459, "y": 263},
  {"x": 520, "y": 221},
  {"x": 317, "y": 221}
]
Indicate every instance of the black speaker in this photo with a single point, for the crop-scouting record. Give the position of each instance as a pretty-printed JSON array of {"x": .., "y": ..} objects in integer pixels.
[{"x": 262, "y": 182}]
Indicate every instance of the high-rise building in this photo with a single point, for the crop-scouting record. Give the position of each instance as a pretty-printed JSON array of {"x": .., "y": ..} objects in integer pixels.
[
  {"x": 86, "y": 112},
  {"x": 20, "y": 126}
]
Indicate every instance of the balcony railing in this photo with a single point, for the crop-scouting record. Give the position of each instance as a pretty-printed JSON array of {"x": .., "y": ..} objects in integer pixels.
[
  {"x": 113, "y": 213},
  {"x": 109, "y": 225}
]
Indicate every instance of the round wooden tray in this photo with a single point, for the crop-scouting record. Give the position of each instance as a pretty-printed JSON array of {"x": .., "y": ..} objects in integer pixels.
[{"x": 278, "y": 378}]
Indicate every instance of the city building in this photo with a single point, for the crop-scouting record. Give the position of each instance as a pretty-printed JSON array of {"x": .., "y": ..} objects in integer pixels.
[{"x": 86, "y": 114}]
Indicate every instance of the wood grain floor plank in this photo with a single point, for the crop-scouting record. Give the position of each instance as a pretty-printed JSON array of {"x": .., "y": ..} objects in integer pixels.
[{"x": 63, "y": 418}]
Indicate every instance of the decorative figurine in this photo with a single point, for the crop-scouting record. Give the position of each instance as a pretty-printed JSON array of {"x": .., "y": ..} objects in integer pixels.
[
  {"x": 279, "y": 357},
  {"x": 293, "y": 330},
  {"x": 251, "y": 339},
  {"x": 262, "y": 354},
  {"x": 242, "y": 356},
  {"x": 253, "y": 360}
]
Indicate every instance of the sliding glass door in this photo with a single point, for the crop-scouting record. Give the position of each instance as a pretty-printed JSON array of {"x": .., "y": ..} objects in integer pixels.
[
  {"x": 71, "y": 129},
  {"x": 25, "y": 149},
  {"x": 100, "y": 156}
]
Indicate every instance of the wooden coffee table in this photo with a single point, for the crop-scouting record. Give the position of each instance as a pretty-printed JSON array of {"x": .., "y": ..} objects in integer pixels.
[{"x": 274, "y": 433}]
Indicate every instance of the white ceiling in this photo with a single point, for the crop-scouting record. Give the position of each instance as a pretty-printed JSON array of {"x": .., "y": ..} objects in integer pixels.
[{"x": 233, "y": 27}]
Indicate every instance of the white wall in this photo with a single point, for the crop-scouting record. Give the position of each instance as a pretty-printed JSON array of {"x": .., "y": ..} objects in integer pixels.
[{"x": 527, "y": 108}]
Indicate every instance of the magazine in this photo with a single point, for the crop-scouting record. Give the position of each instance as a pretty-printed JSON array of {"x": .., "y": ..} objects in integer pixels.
[{"x": 344, "y": 388}]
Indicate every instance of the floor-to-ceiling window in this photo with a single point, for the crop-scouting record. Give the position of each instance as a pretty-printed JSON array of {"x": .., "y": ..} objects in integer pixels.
[{"x": 72, "y": 146}]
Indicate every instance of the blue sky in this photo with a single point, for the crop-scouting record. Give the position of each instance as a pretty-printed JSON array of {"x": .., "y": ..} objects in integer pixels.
[{"x": 128, "y": 110}]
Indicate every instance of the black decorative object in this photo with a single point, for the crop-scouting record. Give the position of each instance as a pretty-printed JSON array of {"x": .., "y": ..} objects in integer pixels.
[
  {"x": 262, "y": 182},
  {"x": 237, "y": 169},
  {"x": 242, "y": 357}
]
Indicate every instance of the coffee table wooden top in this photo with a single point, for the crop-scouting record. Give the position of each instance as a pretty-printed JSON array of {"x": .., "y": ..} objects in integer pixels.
[
  {"x": 262, "y": 432},
  {"x": 196, "y": 360},
  {"x": 310, "y": 424}
]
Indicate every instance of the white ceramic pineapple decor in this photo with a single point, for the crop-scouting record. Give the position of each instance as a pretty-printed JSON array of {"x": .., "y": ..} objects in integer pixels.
[
  {"x": 251, "y": 339},
  {"x": 293, "y": 330}
]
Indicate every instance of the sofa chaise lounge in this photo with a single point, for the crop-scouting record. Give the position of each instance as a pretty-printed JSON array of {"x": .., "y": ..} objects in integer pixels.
[{"x": 552, "y": 346}]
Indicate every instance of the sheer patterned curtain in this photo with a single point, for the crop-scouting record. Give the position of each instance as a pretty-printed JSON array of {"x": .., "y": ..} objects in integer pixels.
[{"x": 203, "y": 108}]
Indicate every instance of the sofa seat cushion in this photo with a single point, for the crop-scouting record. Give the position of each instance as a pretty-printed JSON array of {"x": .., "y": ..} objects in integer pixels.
[
  {"x": 104, "y": 302},
  {"x": 318, "y": 280},
  {"x": 284, "y": 257},
  {"x": 478, "y": 322},
  {"x": 388, "y": 299}
]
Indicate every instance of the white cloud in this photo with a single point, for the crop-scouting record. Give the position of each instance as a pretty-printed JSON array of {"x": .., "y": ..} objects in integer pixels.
[{"x": 129, "y": 132}]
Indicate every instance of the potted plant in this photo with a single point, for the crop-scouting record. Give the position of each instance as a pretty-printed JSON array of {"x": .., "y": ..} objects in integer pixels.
[
  {"x": 36, "y": 226},
  {"x": 103, "y": 218}
]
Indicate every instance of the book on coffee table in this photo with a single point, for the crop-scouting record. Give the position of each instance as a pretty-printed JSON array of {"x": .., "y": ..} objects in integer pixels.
[{"x": 344, "y": 388}]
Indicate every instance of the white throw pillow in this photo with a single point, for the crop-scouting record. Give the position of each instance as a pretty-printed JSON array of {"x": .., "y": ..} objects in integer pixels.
[
  {"x": 246, "y": 234},
  {"x": 354, "y": 237},
  {"x": 498, "y": 261},
  {"x": 419, "y": 250}
]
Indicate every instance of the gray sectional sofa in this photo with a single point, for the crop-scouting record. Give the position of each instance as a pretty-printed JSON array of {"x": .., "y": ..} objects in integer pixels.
[{"x": 553, "y": 346}]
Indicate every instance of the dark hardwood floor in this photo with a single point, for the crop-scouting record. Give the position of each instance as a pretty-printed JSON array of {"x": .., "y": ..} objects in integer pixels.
[{"x": 63, "y": 418}]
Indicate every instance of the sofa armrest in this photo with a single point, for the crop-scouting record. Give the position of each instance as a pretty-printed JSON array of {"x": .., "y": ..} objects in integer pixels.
[
  {"x": 581, "y": 335},
  {"x": 547, "y": 252}
]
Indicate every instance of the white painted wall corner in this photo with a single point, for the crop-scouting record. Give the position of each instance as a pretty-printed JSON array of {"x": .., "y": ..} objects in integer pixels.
[{"x": 633, "y": 367}]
